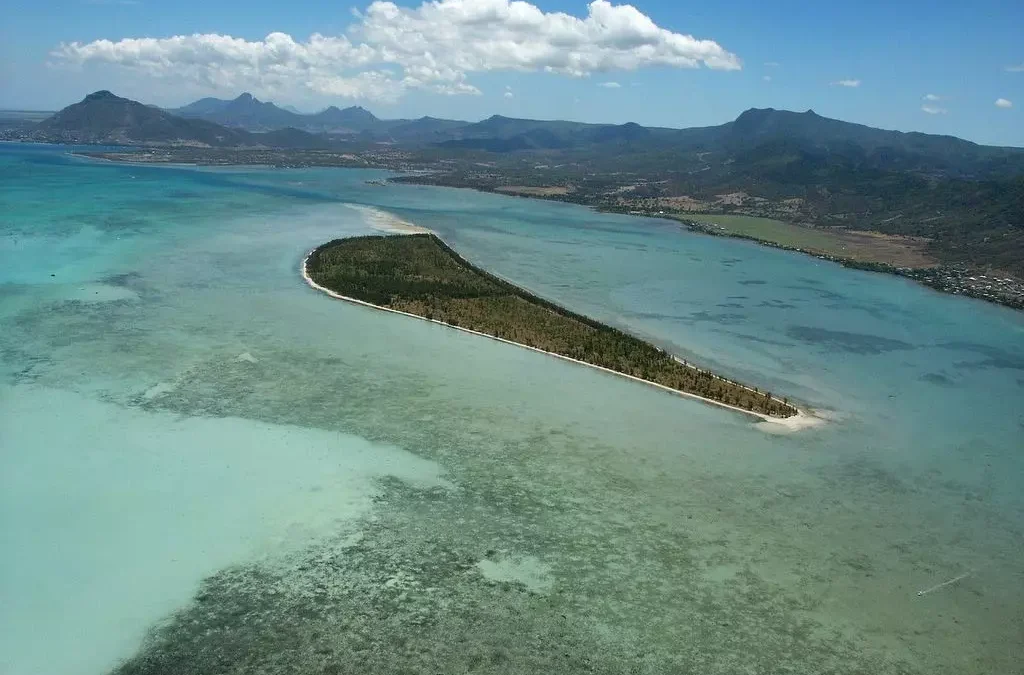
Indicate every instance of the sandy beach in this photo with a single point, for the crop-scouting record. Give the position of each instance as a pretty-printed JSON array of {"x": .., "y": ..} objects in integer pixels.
[{"x": 383, "y": 221}]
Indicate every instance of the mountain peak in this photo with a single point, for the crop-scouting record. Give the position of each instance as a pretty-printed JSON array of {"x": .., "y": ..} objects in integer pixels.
[
  {"x": 757, "y": 112},
  {"x": 246, "y": 97},
  {"x": 101, "y": 95},
  {"x": 102, "y": 117}
]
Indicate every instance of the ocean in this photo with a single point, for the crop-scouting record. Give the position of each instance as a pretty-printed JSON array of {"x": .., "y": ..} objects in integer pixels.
[{"x": 206, "y": 466}]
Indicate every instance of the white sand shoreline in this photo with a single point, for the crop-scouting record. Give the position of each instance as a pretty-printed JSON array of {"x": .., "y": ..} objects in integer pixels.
[{"x": 802, "y": 420}]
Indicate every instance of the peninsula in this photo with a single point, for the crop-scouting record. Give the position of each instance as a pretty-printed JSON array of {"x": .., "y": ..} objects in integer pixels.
[{"x": 420, "y": 275}]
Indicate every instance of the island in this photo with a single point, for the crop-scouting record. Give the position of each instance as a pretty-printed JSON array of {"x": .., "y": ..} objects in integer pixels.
[{"x": 421, "y": 276}]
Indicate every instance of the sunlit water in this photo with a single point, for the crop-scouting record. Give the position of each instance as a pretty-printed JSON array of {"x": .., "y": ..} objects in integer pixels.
[{"x": 208, "y": 467}]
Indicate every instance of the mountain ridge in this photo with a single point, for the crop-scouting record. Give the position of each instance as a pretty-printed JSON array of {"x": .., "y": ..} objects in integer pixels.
[
  {"x": 760, "y": 137},
  {"x": 753, "y": 127},
  {"x": 499, "y": 133},
  {"x": 104, "y": 118}
]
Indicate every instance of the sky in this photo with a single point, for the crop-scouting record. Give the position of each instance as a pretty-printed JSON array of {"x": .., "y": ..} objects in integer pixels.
[{"x": 935, "y": 66}]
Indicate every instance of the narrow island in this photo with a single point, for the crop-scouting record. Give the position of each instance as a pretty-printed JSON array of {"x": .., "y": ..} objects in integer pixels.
[{"x": 420, "y": 275}]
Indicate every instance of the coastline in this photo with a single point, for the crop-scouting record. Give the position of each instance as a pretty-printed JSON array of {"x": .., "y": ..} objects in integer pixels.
[
  {"x": 801, "y": 420},
  {"x": 928, "y": 277},
  {"x": 957, "y": 279}
]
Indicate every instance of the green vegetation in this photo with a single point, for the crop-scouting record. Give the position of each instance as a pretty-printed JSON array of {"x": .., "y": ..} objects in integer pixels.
[
  {"x": 776, "y": 231},
  {"x": 850, "y": 246},
  {"x": 421, "y": 275}
]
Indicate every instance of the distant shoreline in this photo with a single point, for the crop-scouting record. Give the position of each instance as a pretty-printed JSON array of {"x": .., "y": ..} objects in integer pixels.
[
  {"x": 800, "y": 420},
  {"x": 929, "y": 277},
  {"x": 949, "y": 279}
]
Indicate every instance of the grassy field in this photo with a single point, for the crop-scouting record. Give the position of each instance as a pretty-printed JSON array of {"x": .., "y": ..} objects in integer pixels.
[
  {"x": 419, "y": 274},
  {"x": 857, "y": 245}
]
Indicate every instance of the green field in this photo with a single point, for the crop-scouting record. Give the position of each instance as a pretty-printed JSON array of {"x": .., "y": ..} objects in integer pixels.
[
  {"x": 865, "y": 247},
  {"x": 777, "y": 232},
  {"x": 420, "y": 275}
]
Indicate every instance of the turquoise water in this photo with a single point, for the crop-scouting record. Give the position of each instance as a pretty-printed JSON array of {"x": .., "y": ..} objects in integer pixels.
[{"x": 208, "y": 467}]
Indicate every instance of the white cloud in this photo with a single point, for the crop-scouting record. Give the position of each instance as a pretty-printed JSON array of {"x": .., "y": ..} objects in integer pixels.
[
  {"x": 934, "y": 110},
  {"x": 436, "y": 46},
  {"x": 508, "y": 92},
  {"x": 847, "y": 83},
  {"x": 766, "y": 78},
  {"x": 1003, "y": 103},
  {"x": 1019, "y": 68},
  {"x": 771, "y": 64},
  {"x": 610, "y": 85},
  {"x": 931, "y": 97}
]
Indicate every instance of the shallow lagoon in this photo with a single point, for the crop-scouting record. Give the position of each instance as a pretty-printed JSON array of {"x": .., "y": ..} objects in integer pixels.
[{"x": 198, "y": 448}]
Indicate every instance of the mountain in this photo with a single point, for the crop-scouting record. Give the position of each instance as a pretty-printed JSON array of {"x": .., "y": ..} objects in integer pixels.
[
  {"x": 424, "y": 129},
  {"x": 629, "y": 132},
  {"x": 102, "y": 117},
  {"x": 508, "y": 134},
  {"x": 245, "y": 112},
  {"x": 855, "y": 145},
  {"x": 204, "y": 106},
  {"x": 761, "y": 145},
  {"x": 756, "y": 141},
  {"x": 249, "y": 113},
  {"x": 355, "y": 117}
]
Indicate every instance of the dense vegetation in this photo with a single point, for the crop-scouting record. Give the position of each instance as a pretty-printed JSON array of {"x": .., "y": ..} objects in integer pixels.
[{"x": 421, "y": 275}]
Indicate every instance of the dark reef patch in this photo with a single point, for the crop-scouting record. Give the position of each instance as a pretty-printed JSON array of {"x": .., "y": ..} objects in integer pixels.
[
  {"x": 822, "y": 293},
  {"x": 758, "y": 339},
  {"x": 845, "y": 341},
  {"x": 939, "y": 379},
  {"x": 994, "y": 357},
  {"x": 777, "y": 304},
  {"x": 726, "y": 318}
]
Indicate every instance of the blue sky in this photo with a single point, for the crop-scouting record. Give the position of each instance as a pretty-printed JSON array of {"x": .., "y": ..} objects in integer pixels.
[{"x": 784, "y": 55}]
